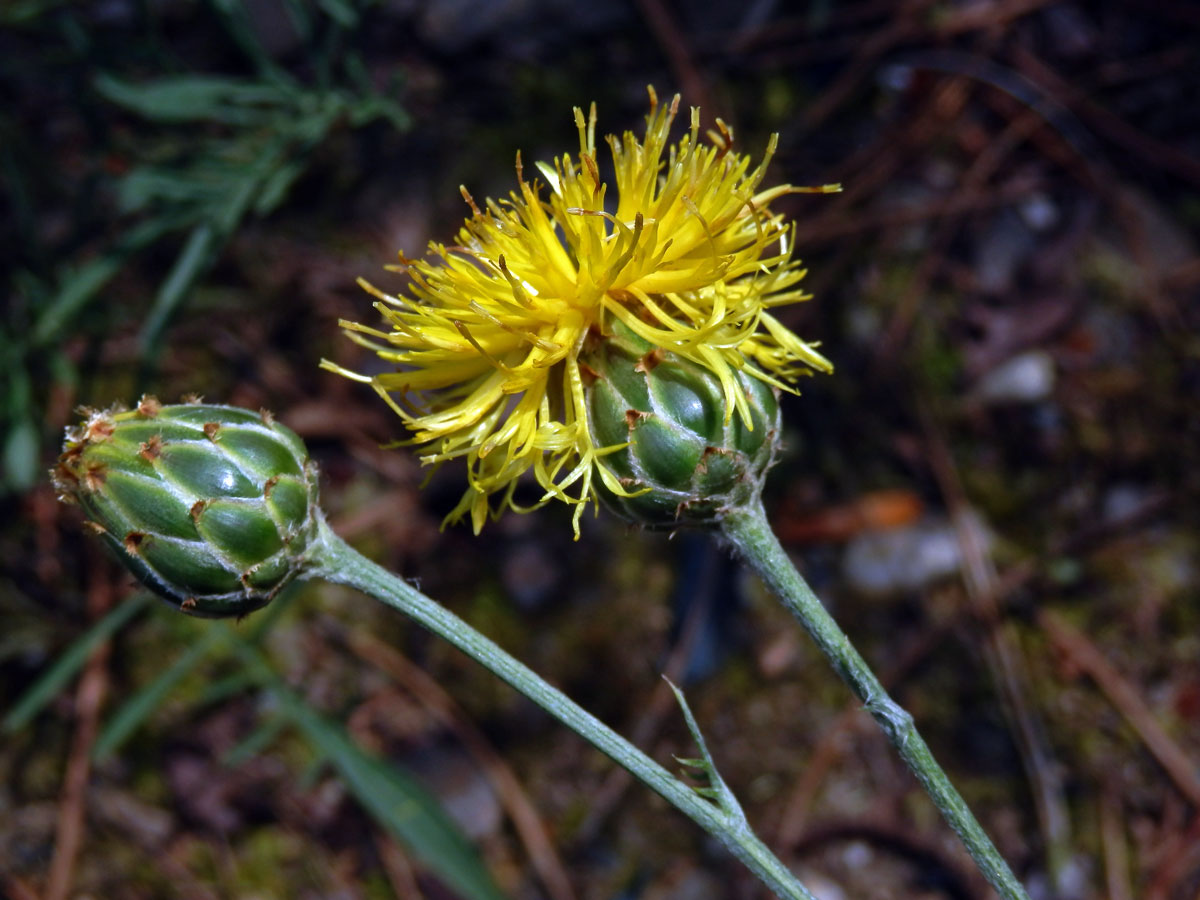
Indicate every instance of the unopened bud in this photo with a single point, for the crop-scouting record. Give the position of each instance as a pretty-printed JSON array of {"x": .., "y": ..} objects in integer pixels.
[{"x": 211, "y": 506}]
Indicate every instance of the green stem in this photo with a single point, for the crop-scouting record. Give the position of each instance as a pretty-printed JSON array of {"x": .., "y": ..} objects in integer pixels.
[
  {"x": 333, "y": 559},
  {"x": 751, "y": 533}
]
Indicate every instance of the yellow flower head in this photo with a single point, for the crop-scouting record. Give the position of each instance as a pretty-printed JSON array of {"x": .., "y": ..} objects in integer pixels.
[{"x": 488, "y": 338}]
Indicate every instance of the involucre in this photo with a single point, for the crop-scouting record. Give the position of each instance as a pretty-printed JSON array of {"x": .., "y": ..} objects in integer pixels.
[
  {"x": 213, "y": 507},
  {"x": 690, "y": 457}
]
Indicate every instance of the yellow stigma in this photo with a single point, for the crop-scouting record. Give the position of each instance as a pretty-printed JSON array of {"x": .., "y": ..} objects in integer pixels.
[{"x": 487, "y": 337}]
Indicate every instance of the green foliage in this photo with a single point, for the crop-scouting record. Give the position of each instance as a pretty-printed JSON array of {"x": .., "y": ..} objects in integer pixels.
[
  {"x": 206, "y": 152},
  {"x": 198, "y": 156},
  {"x": 393, "y": 798},
  {"x": 68, "y": 663},
  {"x": 704, "y": 766}
]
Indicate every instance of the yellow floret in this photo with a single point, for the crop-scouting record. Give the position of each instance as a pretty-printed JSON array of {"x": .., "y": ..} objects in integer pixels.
[{"x": 488, "y": 336}]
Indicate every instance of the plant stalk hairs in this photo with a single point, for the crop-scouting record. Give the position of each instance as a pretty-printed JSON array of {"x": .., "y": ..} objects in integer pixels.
[{"x": 609, "y": 342}]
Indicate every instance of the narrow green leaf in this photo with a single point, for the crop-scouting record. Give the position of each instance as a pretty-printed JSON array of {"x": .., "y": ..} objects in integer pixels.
[
  {"x": 229, "y": 213},
  {"x": 80, "y": 286},
  {"x": 148, "y": 187},
  {"x": 21, "y": 446},
  {"x": 378, "y": 106},
  {"x": 191, "y": 98},
  {"x": 18, "y": 13},
  {"x": 77, "y": 289},
  {"x": 257, "y": 741},
  {"x": 310, "y": 130},
  {"x": 706, "y": 762},
  {"x": 398, "y": 803},
  {"x": 340, "y": 11},
  {"x": 717, "y": 790},
  {"x": 236, "y": 20},
  {"x": 238, "y": 682},
  {"x": 301, "y": 17},
  {"x": 144, "y": 702},
  {"x": 192, "y": 259},
  {"x": 275, "y": 189},
  {"x": 70, "y": 661}
]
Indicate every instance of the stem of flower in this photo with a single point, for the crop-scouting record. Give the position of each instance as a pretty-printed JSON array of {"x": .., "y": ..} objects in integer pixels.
[
  {"x": 749, "y": 531},
  {"x": 333, "y": 559}
]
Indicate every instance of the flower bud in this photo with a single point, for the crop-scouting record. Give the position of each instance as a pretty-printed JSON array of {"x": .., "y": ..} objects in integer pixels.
[
  {"x": 687, "y": 459},
  {"x": 213, "y": 507}
]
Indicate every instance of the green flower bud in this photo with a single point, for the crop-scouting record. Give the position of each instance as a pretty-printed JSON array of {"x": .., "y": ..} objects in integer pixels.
[
  {"x": 211, "y": 506},
  {"x": 687, "y": 459}
]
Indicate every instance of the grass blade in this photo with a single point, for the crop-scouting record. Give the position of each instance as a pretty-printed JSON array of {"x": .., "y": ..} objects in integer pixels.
[
  {"x": 257, "y": 741},
  {"x": 192, "y": 259},
  {"x": 69, "y": 662},
  {"x": 191, "y": 98},
  {"x": 86, "y": 282},
  {"x": 341, "y": 12},
  {"x": 21, "y": 455},
  {"x": 397, "y": 802},
  {"x": 142, "y": 704}
]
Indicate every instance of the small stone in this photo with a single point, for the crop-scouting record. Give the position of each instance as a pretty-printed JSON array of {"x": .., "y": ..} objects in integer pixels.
[
  {"x": 1025, "y": 378},
  {"x": 1001, "y": 252},
  {"x": 904, "y": 560},
  {"x": 1039, "y": 212}
]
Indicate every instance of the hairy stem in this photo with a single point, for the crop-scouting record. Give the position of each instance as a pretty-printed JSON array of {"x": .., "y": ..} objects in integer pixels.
[
  {"x": 750, "y": 532},
  {"x": 333, "y": 559}
]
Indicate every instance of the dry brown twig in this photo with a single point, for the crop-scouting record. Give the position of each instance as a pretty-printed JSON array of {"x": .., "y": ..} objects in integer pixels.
[
  {"x": 905, "y": 24},
  {"x": 399, "y": 871},
  {"x": 1005, "y": 660},
  {"x": 974, "y": 180},
  {"x": 1112, "y": 840},
  {"x": 679, "y": 55},
  {"x": 530, "y": 828},
  {"x": 1125, "y": 698},
  {"x": 825, "y": 754},
  {"x": 1181, "y": 853},
  {"x": 89, "y": 698},
  {"x": 1153, "y": 151},
  {"x": 958, "y": 882},
  {"x": 662, "y": 703},
  {"x": 17, "y": 889}
]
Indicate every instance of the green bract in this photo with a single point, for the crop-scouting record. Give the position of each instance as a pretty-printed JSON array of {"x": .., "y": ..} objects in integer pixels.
[
  {"x": 687, "y": 461},
  {"x": 211, "y": 506}
]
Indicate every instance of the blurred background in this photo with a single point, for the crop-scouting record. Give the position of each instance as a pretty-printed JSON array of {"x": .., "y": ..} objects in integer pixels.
[{"x": 996, "y": 492}]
